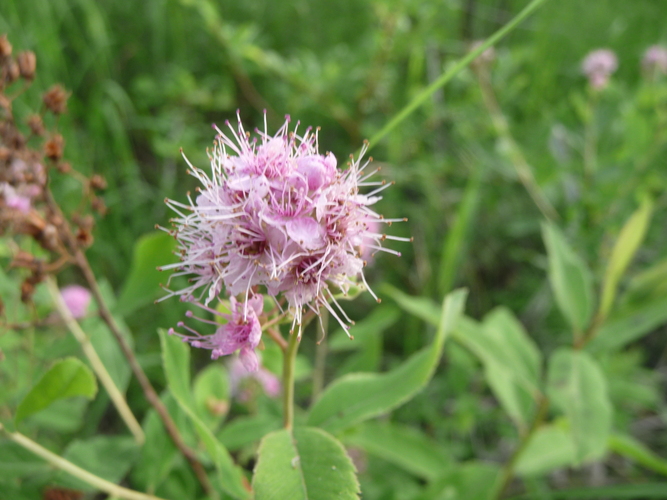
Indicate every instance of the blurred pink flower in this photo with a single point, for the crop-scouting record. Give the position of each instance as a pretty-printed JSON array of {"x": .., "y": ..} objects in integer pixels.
[
  {"x": 655, "y": 60},
  {"x": 13, "y": 199},
  {"x": 238, "y": 373},
  {"x": 77, "y": 299},
  {"x": 598, "y": 66}
]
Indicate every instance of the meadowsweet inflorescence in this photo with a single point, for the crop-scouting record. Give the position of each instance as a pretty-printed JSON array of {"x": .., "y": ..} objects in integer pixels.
[
  {"x": 598, "y": 66},
  {"x": 275, "y": 216}
]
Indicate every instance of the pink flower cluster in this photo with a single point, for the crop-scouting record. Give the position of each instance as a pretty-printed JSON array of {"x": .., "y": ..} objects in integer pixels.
[
  {"x": 598, "y": 66},
  {"x": 275, "y": 216},
  {"x": 655, "y": 60}
]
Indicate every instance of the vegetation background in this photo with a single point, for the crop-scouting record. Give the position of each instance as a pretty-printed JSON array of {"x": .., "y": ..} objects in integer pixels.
[{"x": 147, "y": 78}]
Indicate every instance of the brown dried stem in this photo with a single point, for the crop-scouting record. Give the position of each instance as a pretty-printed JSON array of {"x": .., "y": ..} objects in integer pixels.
[{"x": 151, "y": 395}]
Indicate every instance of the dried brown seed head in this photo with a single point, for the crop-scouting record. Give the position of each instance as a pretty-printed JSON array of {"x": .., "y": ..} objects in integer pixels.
[
  {"x": 53, "y": 148},
  {"x": 84, "y": 238},
  {"x": 10, "y": 71},
  {"x": 97, "y": 182},
  {"x": 27, "y": 62},
  {"x": 55, "y": 99},
  {"x": 5, "y": 47},
  {"x": 98, "y": 205},
  {"x": 64, "y": 167},
  {"x": 36, "y": 124}
]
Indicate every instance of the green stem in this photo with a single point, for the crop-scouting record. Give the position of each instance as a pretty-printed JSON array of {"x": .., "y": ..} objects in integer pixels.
[
  {"x": 507, "y": 472},
  {"x": 514, "y": 153},
  {"x": 289, "y": 357},
  {"x": 96, "y": 363},
  {"x": 320, "y": 357},
  {"x": 425, "y": 94},
  {"x": 60, "y": 463}
]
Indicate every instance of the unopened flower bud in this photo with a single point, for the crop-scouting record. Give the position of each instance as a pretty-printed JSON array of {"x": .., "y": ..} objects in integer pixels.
[
  {"x": 55, "y": 99},
  {"x": 53, "y": 148},
  {"x": 36, "y": 124},
  {"x": 27, "y": 64},
  {"x": 5, "y": 47}
]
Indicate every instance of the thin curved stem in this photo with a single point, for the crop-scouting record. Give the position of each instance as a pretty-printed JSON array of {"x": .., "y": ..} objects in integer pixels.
[
  {"x": 425, "y": 94},
  {"x": 96, "y": 363},
  {"x": 110, "y": 488}
]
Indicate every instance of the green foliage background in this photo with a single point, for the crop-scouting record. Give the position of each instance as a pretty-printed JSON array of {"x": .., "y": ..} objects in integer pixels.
[{"x": 147, "y": 78}]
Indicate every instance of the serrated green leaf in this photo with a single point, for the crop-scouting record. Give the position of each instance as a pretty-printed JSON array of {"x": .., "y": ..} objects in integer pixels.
[
  {"x": 627, "y": 244},
  {"x": 305, "y": 464},
  {"x": 358, "y": 397},
  {"x": 576, "y": 385},
  {"x": 570, "y": 279},
  {"x": 65, "y": 379},
  {"x": 143, "y": 284},
  {"x": 176, "y": 362}
]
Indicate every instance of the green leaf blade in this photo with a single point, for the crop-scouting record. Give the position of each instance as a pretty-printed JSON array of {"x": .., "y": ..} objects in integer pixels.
[
  {"x": 577, "y": 386},
  {"x": 66, "y": 378},
  {"x": 358, "y": 397},
  {"x": 570, "y": 279},
  {"x": 306, "y": 464}
]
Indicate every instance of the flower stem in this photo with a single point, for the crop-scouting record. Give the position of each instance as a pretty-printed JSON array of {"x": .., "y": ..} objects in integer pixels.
[
  {"x": 96, "y": 363},
  {"x": 288, "y": 379},
  {"x": 424, "y": 95},
  {"x": 111, "y": 489}
]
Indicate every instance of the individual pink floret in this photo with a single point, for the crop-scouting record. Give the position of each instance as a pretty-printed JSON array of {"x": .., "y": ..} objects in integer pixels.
[{"x": 242, "y": 332}]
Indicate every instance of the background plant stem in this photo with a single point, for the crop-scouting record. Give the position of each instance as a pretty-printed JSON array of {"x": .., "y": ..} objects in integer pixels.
[
  {"x": 60, "y": 463},
  {"x": 96, "y": 363},
  {"x": 81, "y": 261},
  {"x": 424, "y": 95}
]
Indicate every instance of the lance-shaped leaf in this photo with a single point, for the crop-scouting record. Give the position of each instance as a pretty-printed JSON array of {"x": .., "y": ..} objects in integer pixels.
[
  {"x": 358, "y": 397},
  {"x": 176, "y": 362},
  {"x": 577, "y": 386},
  {"x": 627, "y": 243},
  {"x": 65, "y": 379},
  {"x": 303, "y": 464},
  {"x": 512, "y": 362},
  {"x": 570, "y": 279}
]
